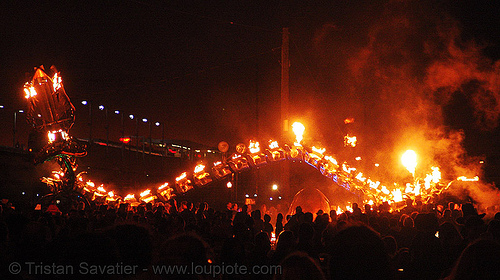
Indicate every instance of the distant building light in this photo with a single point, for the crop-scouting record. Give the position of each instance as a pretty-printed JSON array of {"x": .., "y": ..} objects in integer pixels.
[
  {"x": 271, "y": 198},
  {"x": 101, "y": 107},
  {"x": 246, "y": 195},
  {"x": 255, "y": 195},
  {"x": 23, "y": 193},
  {"x": 131, "y": 117},
  {"x": 117, "y": 112},
  {"x": 144, "y": 120},
  {"x": 229, "y": 185},
  {"x": 377, "y": 165},
  {"x": 275, "y": 187},
  {"x": 1, "y": 106},
  {"x": 21, "y": 111},
  {"x": 279, "y": 197},
  {"x": 84, "y": 102},
  {"x": 157, "y": 123}
]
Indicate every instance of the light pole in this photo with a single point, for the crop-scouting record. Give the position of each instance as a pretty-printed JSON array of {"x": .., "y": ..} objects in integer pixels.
[
  {"x": 89, "y": 103},
  {"x": 143, "y": 145},
  {"x": 136, "y": 133},
  {"x": 106, "y": 125},
  {"x": 122, "y": 130},
  {"x": 14, "y": 128}
]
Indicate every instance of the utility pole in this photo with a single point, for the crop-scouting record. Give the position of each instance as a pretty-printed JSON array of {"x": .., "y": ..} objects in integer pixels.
[{"x": 285, "y": 90}]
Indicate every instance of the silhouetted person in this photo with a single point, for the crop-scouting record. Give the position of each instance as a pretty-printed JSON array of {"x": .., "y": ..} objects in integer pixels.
[
  {"x": 279, "y": 224},
  {"x": 480, "y": 260},
  {"x": 358, "y": 252},
  {"x": 299, "y": 266}
]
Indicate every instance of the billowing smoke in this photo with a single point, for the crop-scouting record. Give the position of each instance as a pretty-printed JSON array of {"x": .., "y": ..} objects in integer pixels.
[{"x": 397, "y": 71}]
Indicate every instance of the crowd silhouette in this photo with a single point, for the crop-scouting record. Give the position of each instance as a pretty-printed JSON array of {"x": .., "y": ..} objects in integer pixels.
[{"x": 420, "y": 241}]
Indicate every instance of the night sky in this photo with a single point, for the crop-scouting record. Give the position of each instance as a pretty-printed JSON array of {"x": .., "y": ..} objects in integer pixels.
[{"x": 413, "y": 74}]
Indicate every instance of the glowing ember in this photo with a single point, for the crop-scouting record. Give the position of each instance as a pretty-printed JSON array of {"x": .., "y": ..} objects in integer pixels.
[
  {"x": 350, "y": 141},
  {"x": 465, "y": 179},
  {"x": 273, "y": 144},
  {"x": 349, "y": 120},
  {"x": 298, "y": 130},
  {"x": 332, "y": 160},
  {"x": 318, "y": 150},
  {"x": 384, "y": 190},
  {"x": 254, "y": 147},
  {"x": 360, "y": 177},
  {"x": 129, "y": 197},
  {"x": 183, "y": 175},
  {"x": 53, "y": 135},
  {"x": 146, "y": 192},
  {"x": 199, "y": 168},
  {"x": 29, "y": 90},
  {"x": 409, "y": 160},
  {"x": 434, "y": 177},
  {"x": 56, "y": 82},
  {"x": 162, "y": 186}
]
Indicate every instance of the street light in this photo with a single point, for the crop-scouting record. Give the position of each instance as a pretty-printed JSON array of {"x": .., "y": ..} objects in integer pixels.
[{"x": 14, "y": 128}]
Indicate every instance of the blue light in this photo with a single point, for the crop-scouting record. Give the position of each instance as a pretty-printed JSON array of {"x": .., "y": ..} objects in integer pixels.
[
  {"x": 101, "y": 107},
  {"x": 84, "y": 102},
  {"x": 117, "y": 112}
]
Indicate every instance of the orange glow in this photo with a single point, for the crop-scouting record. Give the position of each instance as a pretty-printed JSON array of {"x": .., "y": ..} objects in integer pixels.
[
  {"x": 29, "y": 91},
  {"x": 318, "y": 150},
  {"x": 298, "y": 129},
  {"x": 409, "y": 160},
  {"x": 199, "y": 168},
  {"x": 229, "y": 185},
  {"x": 350, "y": 141},
  {"x": 360, "y": 177},
  {"x": 163, "y": 186},
  {"x": 273, "y": 144},
  {"x": 125, "y": 140},
  {"x": 146, "y": 192},
  {"x": 183, "y": 175},
  {"x": 254, "y": 147},
  {"x": 465, "y": 179},
  {"x": 56, "y": 82},
  {"x": 129, "y": 197},
  {"x": 349, "y": 120},
  {"x": 52, "y": 135}
]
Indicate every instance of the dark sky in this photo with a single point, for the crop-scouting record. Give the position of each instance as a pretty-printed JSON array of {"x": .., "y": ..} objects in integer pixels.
[{"x": 210, "y": 70}]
